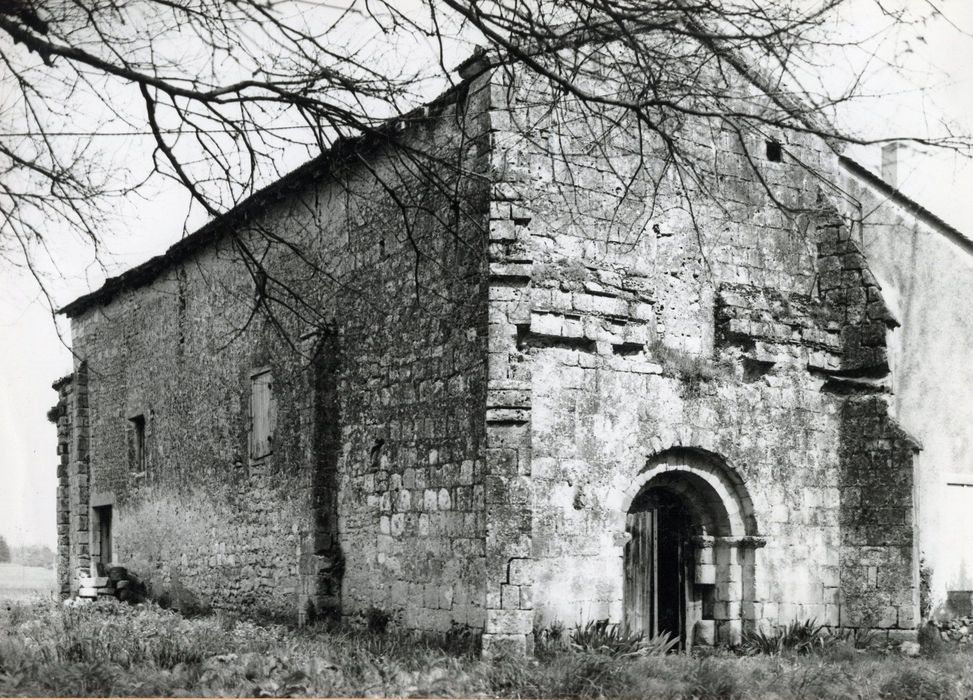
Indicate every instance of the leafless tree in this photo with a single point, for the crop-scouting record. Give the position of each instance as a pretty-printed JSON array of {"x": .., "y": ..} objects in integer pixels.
[{"x": 224, "y": 89}]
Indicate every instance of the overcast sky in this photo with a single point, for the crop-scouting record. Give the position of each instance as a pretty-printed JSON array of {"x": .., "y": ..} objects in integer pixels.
[{"x": 33, "y": 354}]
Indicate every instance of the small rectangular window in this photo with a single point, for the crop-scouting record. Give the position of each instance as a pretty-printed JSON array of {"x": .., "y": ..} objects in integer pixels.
[
  {"x": 262, "y": 414},
  {"x": 136, "y": 444}
]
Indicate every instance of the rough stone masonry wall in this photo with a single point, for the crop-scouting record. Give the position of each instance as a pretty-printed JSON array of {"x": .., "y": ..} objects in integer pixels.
[
  {"x": 415, "y": 456},
  {"x": 61, "y": 416},
  {"x": 606, "y": 297},
  {"x": 70, "y": 414},
  {"x": 929, "y": 271},
  {"x": 879, "y": 560},
  {"x": 374, "y": 493}
]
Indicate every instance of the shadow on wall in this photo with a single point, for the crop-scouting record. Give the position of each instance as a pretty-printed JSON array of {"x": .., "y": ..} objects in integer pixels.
[
  {"x": 322, "y": 566},
  {"x": 878, "y": 567},
  {"x": 147, "y": 551},
  {"x": 177, "y": 597}
]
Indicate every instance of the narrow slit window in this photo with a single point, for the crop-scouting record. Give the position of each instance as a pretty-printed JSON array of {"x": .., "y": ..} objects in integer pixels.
[
  {"x": 775, "y": 153},
  {"x": 136, "y": 445}
]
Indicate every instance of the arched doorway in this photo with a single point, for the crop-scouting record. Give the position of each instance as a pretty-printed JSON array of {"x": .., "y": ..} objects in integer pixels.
[{"x": 689, "y": 556}]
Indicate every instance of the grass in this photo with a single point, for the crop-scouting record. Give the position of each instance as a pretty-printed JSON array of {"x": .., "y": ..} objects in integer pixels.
[
  {"x": 113, "y": 649},
  {"x": 799, "y": 637},
  {"x": 600, "y": 637},
  {"x": 692, "y": 369},
  {"x": 25, "y": 583}
]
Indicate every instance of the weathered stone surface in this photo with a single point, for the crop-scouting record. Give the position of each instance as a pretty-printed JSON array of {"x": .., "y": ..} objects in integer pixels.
[
  {"x": 478, "y": 404},
  {"x": 373, "y": 485},
  {"x": 93, "y": 582}
]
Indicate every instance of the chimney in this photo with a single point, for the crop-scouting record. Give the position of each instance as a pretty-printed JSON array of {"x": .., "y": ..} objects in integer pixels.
[
  {"x": 892, "y": 153},
  {"x": 477, "y": 63}
]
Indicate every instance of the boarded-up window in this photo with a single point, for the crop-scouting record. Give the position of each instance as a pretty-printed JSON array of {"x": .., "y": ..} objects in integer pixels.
[{"x": 262, "y": 414}]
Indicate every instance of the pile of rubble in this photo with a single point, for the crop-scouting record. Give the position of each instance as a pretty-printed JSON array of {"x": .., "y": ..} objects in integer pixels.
[
  {"x": 100, "y": 583},
  {"x": 958, "y": 629}
]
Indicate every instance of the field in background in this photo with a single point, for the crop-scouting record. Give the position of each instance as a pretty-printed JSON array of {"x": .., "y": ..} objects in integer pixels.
[{"x": 26, "y": 583}]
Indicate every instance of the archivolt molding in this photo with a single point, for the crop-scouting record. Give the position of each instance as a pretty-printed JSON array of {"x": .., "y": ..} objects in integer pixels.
[{"x": 707, "y": 482}]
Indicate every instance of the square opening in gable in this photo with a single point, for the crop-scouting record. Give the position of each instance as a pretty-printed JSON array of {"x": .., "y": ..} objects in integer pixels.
[{"x": 775, "y": 153}]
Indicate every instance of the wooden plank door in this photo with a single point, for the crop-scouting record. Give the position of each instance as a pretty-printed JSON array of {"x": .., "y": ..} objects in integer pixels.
[{"x": 641, "y": 572}]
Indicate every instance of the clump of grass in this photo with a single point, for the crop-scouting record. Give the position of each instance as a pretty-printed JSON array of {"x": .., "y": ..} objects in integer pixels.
[
  {"x": 919, "y": 683},
  {"x": 840, "y": 651},
  {"x": 819, "y": 678},
  {"x": 551, "y": 639},
  {"x": 855, "y": 637},
  {"x": 796, "y": 638},
  {"x": 583, "y": 674},
  {"x": 568, "y": 274},
  {"x": 588, "y": 675},
  {"x": 121, "y": 635},
  {"x": 598, "y": 636},
  {"x": 377, "y": 620},
  {"x": 931, "y": 641},
  {"x": 692, "y": 369},
  {"x": 461, "y": 640},
  {"x": 714, "y": 679}
]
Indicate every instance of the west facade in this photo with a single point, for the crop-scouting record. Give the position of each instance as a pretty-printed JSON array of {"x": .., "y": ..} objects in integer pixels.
[{"x": 549, "y": 383}]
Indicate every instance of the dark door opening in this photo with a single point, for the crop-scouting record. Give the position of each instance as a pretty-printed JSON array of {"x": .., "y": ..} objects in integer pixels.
[
  {"x": 103, "y": 516},
  {"x": 658, "y": 560}
]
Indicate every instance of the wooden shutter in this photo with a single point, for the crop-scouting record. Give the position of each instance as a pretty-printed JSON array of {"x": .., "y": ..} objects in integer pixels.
[{"x": 261, "y": 415}]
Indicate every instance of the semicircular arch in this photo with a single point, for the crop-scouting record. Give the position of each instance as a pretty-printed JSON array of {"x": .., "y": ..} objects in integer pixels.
[{"x": 716, "y": 493}]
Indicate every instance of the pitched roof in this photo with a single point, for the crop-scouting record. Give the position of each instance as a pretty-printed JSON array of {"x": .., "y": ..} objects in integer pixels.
[
  {"x": 211, "y": 231},
  {"x": 231, "y": 220},
  {"x": 910, "y": 205}
]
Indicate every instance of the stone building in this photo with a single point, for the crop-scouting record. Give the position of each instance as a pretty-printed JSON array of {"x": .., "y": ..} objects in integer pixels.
[{"x": 535, "y": 387}]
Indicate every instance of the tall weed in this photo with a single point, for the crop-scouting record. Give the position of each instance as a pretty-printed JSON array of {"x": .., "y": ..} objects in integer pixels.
[
  {"x": 601, "y": 637},
  {"x": 797, "y": 638}
]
